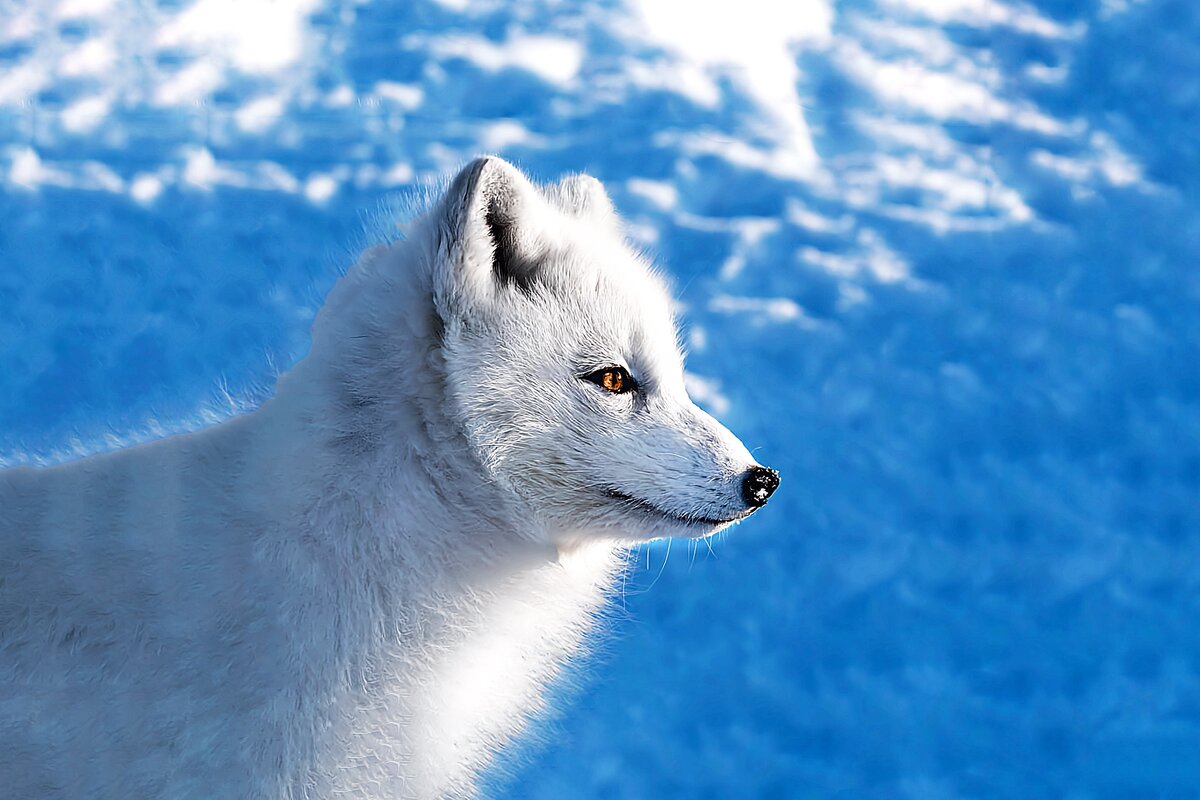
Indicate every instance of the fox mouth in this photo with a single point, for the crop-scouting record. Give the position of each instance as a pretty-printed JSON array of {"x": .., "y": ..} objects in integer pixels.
[{"x": 648, "y": 508}]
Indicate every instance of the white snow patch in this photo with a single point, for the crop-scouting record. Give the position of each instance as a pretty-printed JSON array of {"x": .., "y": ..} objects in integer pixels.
[
  {"x": 260, "y": 113},
  {"x": 84, "y": 115},
  {"x": 643, "y": 233},
  {"x": 964, "y": 90},
  {"x": 402, "y": 94},
  {"x": 340, "y": 97},
  {"x": 791, "y": 162},
  {"x": 1114, "y": 164},
  {"x": 498, "y": 136},
  {"x": 1030, "y": 119},
  {"x": 319, "y": 188},
  {"x": 189, "y": 85},
  {"x": 989, "y": 13},
  {"x": 930, "y": 45},
  {"x": 28, "y": 171},
  {"x": 756, "y": 45},
  {"x": 706, "y": 392},
  {"x": 18, "y": 84},
  {"x": 751, "y": 38},
  {"x": 924, "y": 138},
  {"x": 884, "y": 263},
  {"x": 954, "y": 187},
  {"x": 833, "y": 263},
  {"x": 1105, "y": 162},
  {"x": 81, "y": 9},
  {"x": 70, "y": 10},
  {"x": 1044, "y": 73},
  {"x": 660, "y": 193},
  {"x": 963, "y": 186},
  {"x": 256, "y": 36},
  {"x": 1075, "y": 170},
  {"x": 272, "y": 176},
  {"x": 398, "y": 173},
  {"x": 941, "y": 221},
  {"x": 554, "y": 59},
  {"x": 1112, "y": 8},
  {"x": 770, "y": 309},
  {"x": 939, "y": 94},
  {"x": 204, "y": 172},
  {"x": 872, "y": 255},
  {"x": 797, "y": 214},
  {"x": 97, "y": 176},
  {"x": 200, "y": 169},
  {"x": 145, "y": 188},
  {"x": 687, "y": 80},
  {"x": 750, "y": 232},
  {"x": 93, "y": 57}
]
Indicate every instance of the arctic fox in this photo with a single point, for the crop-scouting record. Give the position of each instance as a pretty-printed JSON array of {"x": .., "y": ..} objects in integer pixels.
[{"x": 362, "y": 588}]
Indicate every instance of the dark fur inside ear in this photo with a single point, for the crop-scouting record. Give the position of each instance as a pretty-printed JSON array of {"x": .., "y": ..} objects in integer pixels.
[
  {"x": 490, "y": 218},
  {"x": 513, "y": 257}
]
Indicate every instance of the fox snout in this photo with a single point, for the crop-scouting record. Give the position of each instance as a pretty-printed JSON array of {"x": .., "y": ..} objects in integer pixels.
[{"x": 758, "y": 484}]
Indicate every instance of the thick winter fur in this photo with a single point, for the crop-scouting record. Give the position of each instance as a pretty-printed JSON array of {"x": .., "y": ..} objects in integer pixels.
[{"x": 361, "y": 589}]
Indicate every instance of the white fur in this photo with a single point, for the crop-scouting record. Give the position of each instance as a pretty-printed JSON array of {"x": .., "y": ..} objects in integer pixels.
[{"x": 362, "y": 588}]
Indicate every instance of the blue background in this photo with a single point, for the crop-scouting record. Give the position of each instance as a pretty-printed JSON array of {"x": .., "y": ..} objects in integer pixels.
[{"x": 937, "y": 263}]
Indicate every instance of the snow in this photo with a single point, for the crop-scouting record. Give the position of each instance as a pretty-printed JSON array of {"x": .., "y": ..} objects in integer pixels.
[
  {"x": 936, "y": 263},
  {"x": 319, "y": 188},
  {"x": 256, "y": 36},
  {"x": 554, "y": 59},
  {"x": 755, "y": 46}
]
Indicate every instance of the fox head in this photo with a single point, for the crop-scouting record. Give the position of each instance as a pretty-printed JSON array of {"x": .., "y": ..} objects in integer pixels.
[{"x": 563, "y": 364}]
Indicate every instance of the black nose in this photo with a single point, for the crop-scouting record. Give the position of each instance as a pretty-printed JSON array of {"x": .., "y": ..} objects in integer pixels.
[{"x": 758, "y": 485}]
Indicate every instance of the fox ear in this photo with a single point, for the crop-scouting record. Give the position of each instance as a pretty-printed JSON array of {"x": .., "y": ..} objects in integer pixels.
[
  {"x": 492, "y": 230},
  {"x": 584, "y": 196}
]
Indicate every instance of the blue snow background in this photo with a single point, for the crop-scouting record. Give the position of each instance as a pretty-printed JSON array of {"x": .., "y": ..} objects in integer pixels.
[{"x": 938, "y": 264}]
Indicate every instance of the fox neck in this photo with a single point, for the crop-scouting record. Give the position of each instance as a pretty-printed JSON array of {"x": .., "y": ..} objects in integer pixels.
[
  {"x": 402, "y": 490},
  {"x": 461, "y": 610},
  {"x": 398, "y": 483}
]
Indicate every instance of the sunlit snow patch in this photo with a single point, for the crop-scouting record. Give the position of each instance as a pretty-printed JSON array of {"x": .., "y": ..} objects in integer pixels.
[
  {"x": 256, "y": 36},
  {"x": 554, "y": 59},
  {"x": 757, "y": 47}
]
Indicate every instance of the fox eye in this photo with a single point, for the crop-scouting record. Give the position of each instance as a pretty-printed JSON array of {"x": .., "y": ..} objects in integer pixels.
[{"x": 612, "y": 379}]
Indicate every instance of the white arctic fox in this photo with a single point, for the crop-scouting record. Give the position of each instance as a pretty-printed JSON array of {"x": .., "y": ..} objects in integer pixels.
[{"x": 362, "y": 588}]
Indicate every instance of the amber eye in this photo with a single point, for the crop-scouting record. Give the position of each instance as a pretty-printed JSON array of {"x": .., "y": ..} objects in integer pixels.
[{"x": 613, "y": 379}]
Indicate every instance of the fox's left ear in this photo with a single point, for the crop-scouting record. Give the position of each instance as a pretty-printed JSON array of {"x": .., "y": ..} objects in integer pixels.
[
  {"x": 584, "y": 196},
  {"x": 493, "y": 227}
]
